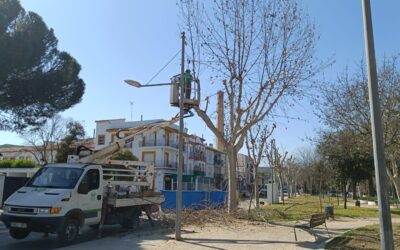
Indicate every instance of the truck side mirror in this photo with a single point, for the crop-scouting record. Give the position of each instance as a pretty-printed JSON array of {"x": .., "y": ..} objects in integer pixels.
[{"x": 83, "y": 188}]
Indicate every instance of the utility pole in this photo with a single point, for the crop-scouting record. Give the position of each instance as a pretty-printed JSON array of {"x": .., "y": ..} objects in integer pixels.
[
  {"x": 180, "y": 155},
  {"x": 386, "y": 233}
]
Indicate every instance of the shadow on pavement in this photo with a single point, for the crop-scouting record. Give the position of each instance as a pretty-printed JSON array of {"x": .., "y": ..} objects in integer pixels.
[{"x": 87, "y": 236}]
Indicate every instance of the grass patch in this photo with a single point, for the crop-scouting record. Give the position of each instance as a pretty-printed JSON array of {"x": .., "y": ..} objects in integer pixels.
[
  {"x": 302, "y": 207},
  {"x": 363, "y": 238}
]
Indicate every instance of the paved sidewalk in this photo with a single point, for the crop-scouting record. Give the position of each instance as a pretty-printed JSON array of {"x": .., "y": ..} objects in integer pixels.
[{"x": 240, "y": 235}]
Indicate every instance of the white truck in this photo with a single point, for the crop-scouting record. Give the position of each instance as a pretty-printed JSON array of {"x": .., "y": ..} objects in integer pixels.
[{"x": 93, "y": 191}]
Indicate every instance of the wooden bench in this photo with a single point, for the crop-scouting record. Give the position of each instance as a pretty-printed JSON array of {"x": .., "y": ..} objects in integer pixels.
[{"x": 315, "y": 221}]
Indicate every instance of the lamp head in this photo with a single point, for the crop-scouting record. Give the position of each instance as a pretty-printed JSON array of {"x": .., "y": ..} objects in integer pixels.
[{"x": 133, "y": 83}]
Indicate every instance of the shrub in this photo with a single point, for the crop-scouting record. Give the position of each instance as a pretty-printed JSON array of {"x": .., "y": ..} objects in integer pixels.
[
  {"x": 24, "y": 164},
  {"x": 6, "y": 163},
  {"x": 18, "y": 164},
  {"x": 124, "y": 155}
]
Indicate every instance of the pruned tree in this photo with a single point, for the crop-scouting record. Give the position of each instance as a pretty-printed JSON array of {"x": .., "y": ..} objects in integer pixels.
[
  {"x": 45, "y": 140},
  {"x": 256, "y": 143},
  {"x": 36, "y": 79},
  {"x": 344, "y": 106},
  {"x": 291, "y": 172},
  {"x": 277, "y": 161},
  {"x": 259, "y": 52},
  {"x": 307, "y": 160}
]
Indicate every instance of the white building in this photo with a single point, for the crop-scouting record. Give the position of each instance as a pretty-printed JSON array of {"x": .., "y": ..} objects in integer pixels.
[
  {"x": 34, "y": 154},
  {"x": 220, "y": 171},
  {"x": 38, "y": 154},
  {"x": 244, "y": 172},
  {"x": 161, "y": 147}
]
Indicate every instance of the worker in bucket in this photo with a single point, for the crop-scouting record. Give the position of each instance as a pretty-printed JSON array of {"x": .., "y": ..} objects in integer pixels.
[{"x": 187, "y": 78}]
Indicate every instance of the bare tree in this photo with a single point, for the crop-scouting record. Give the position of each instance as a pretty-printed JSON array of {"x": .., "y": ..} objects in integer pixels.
[
  {"x": 291, "y": 172},
  {"x": 260, "y": 50},
  {"x": 45, "y": 139},
  {"x": 256, "y": 143},
  {"x": 277, "y": 161}
]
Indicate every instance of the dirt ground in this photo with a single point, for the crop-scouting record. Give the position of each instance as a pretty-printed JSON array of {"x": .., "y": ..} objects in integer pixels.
[{"x": 238, "y": 234}]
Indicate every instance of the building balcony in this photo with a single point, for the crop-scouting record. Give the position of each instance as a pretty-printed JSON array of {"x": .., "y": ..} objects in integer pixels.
[
  {"x": 171, "y": 165},
  {"x": 197, "y": 157},
  {"x": 199, "y": 172},
  {"x": 159, "y": 144}
]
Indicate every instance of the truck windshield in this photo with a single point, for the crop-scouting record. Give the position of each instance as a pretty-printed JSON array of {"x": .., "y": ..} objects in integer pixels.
[{"x": 56, "y": 177}]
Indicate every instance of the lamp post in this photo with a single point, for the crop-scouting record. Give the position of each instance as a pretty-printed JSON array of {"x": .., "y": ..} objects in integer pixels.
[
  {"x": 386, "y": 232},
  {"x": 180, "y": 154},
  {"x": 181, "y": 125}
]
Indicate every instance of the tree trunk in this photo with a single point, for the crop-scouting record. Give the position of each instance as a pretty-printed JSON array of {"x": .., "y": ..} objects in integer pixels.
[
  {"x": 396, "y": 183},
  {"x": 394, "y": 176},
  {"x": 232, "y": 180},
  {"x": 345, "y": 195},
  {"x": 281, "y": 185},
  {"x": 251, "y": 200},
  {"x": 354, "y": 188},
  {"x": 255, "y": 187},
  {"x": 371, "y": 188}
]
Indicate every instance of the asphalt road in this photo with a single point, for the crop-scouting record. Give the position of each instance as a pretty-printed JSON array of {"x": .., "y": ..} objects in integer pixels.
[{"x": 39, "y": 241}]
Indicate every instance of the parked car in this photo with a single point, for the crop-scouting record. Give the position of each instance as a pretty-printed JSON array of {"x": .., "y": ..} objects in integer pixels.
[{"x": 263, "y": 192}]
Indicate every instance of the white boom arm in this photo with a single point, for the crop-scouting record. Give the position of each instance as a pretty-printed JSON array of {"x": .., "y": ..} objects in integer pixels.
[{"x": 100, "y": 156}]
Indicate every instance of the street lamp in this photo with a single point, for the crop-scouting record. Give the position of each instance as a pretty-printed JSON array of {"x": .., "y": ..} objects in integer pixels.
[{"x": 137, "y": 84}]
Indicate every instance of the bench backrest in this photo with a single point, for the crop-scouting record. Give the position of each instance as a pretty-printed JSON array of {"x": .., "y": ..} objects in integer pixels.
[{"x": 317, "y": 220}]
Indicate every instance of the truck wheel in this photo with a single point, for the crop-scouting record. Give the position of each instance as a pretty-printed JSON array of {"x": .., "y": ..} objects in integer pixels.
[
  {"x": 95, "y": 226},
  {"x": 132, "y": 222},
  {"x": 18, "y": 233},
  {"x": 69, "y": 231}
]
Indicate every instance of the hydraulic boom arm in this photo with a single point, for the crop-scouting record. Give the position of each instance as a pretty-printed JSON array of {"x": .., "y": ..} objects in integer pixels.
[{"x": 101, "y": 155}]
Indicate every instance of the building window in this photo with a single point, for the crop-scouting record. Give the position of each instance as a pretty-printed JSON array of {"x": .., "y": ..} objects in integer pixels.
[
  {"x": 101, "y": 139},
  {"x": 166, "y": 138},
  {"x": 166, "y": 160},
  {"x": 112, "y": 138}
]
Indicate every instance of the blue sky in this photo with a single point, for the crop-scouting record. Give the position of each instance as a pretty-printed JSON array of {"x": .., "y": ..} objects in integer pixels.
[{"x": 127, "y": 39}]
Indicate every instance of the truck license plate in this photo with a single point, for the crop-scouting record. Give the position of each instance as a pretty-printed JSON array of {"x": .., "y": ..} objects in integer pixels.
[{"x": 19, "y": 225}]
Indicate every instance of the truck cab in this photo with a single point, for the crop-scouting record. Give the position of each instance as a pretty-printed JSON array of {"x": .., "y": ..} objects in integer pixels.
[
  {"x": 59, "y": 198},
  {"x": 93, "y": 191}
]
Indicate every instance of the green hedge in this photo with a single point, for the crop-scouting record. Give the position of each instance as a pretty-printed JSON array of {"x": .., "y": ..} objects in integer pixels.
[{"x": 18, "y": 164}]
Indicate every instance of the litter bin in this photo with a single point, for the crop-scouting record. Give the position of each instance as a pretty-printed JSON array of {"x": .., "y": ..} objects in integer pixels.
[
  {"x": 329, "y": 212},
  {"x": 358, "y": 203}
]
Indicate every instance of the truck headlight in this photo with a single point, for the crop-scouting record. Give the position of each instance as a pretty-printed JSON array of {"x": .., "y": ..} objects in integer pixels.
[
  {"x": 7, "y": 208},
  {"x": 43, "y": 210}
]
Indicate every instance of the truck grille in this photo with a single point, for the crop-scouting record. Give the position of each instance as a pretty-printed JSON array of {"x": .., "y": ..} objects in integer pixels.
[{"x": 23, "y": 210}]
